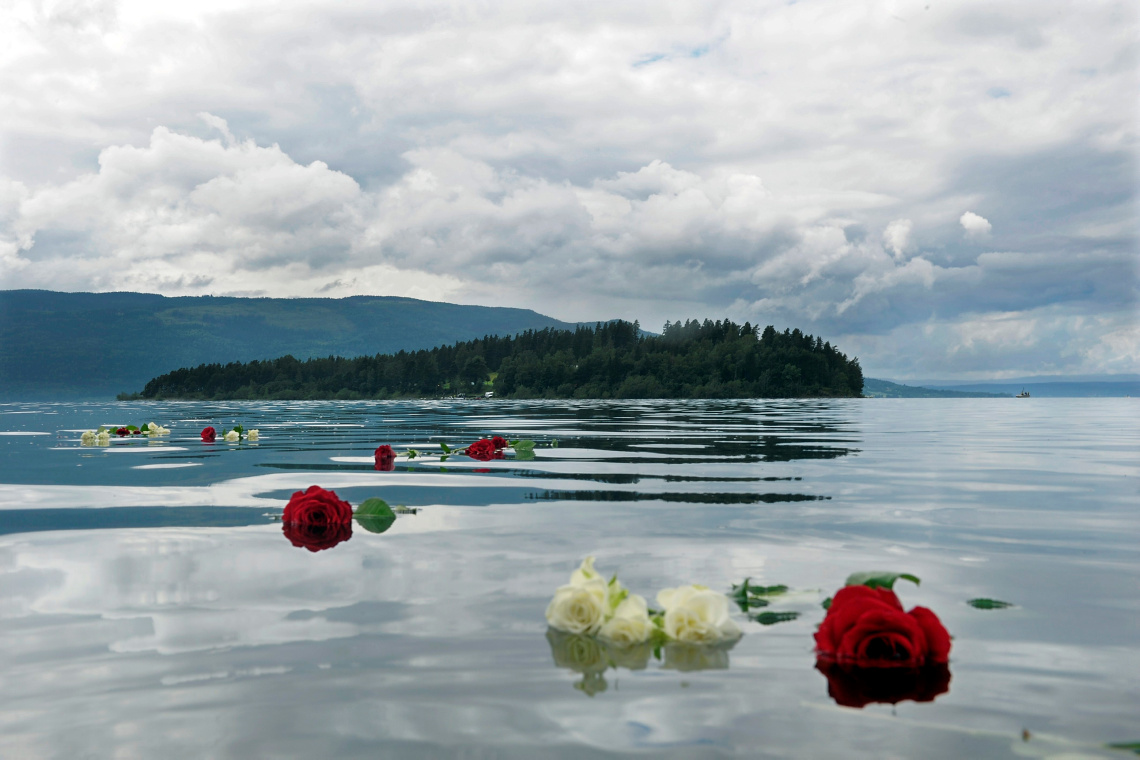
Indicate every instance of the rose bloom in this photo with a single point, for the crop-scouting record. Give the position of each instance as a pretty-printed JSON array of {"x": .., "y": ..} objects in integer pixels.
[
  {"x": 103, "y": 439},
  {"x": 88, "y": 438},
  {"x": 316, "y": 506},
  {"x": 252, "y": 435},
  {"x": 233, "y": 436},
  {"x": 579, "y": 608},
  {"x": 209, "y": 434},
  {"x": 697, "y": 615},
  {"x": 853, "y": 686},
  {"x": 482, "y": 449},
  {"x": 867, "y": 627},
  {"x": 317, "y": 538},
  {"x": 499, "y": 442},
  {"x": 630, "y": 624},
  {"x": 384, "y": 452},
  {"x": 122, "y": 432}
]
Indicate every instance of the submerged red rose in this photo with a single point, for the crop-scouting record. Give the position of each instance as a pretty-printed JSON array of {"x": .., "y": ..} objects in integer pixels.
[
  {"x": 209, "y": 434},
  {"x": 867, "y": 627},
  {"x": 317, "y": 506},
  {"x": 317, "y": 538},
  {"x": 483, "y": 450},
  {"x": 385, "y": 458},
  {"x": 499, "y": 442},
  {"x": 852, "y": 686}
]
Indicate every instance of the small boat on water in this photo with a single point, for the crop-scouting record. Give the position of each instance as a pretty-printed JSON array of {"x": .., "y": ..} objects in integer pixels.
[{"x": 1024, "y": 394}]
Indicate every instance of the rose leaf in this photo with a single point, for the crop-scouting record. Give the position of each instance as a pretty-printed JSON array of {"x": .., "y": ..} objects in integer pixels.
[
  {"x": 988, "y": 604},
  {"x": 374, "y": 515},
  {"x": 771, "y": 618},
  {"x": 877, "y": 578},
  {"x": 523, "y": 446}
]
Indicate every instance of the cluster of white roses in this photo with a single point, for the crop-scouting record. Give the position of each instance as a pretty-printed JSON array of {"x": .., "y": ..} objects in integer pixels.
[
  {"x": 234, "y": 436},
  {"x": 590, "y": 605},
  {"x": 102, "y": 436}
]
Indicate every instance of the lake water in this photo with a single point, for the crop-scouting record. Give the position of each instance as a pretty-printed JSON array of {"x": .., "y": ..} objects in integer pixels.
[{"x": 150, "y": 606}]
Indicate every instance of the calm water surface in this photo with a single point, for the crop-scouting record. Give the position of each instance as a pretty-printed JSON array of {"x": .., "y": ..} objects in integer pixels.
[{"x": 151, "y": 607}]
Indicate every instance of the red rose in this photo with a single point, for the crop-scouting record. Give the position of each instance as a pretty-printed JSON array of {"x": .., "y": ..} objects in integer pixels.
[
  {"x": 122, "y": 431},
  {"x": 867, "y": 627},
  {"x": 852, "y": 686},
  {"x": 483, "y": 450},
  {"x": 317, "y": 506},
  {"x": 317, "y": 538},
  {"x": 208, "y": 434},
  {"x": 385, "y": 458},
  {"x": 500, "y": 442}
]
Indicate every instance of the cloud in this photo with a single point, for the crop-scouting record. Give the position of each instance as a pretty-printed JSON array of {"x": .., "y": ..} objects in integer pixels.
[
  {"x": 974, "y": 225},
  {"x": 582, "y": 161}
]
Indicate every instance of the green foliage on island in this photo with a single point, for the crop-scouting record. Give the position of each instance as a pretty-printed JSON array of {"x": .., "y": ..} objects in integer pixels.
[
  {"x": 874, "y": 388},
  {"x": 611, "y": 360}
]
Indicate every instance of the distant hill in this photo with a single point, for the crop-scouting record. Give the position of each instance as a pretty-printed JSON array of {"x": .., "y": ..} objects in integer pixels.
[
  {"x": 873, "y": 388},
  {"x": 1055, "y": 389},
  {"x": 93, "y": 345}
]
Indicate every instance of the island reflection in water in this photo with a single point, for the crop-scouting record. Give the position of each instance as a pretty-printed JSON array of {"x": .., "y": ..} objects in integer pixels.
[{"x": 140, "y": 603}]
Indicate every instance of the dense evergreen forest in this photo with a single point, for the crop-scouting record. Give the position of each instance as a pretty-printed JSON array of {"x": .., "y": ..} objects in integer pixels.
[{"x": 611, "y": 360}]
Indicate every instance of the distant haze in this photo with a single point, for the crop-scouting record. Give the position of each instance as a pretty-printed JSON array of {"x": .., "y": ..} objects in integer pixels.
[{"x": 944, "y": 189}]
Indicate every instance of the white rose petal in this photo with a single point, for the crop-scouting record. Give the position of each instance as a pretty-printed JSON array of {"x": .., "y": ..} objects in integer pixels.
[
  {"x": 578, "y": 608},
  {"x": 88, "y": 438},
  {"x": 233, "y": 436},
  {"x": 103, "y": 439},
  {"x": 585, "y": 572},
  {"x": 630, "y": 623},
  {"x": 252, "y": 435},
  {"x": 697, "y": 615}
]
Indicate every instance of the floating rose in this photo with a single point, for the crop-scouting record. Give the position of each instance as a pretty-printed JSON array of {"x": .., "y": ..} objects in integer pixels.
[
  {"x": 209, "y": 434},
  {"x": 853, "y": 686},
  {"x": 253, "y": 435},
  {"x": 867, "y": 627},
  {"x": 499, "y": 442},
  {"x": 385, "y": 458},
  {"x": 483, "y": 450},
  {"x": 697, "y": 615},
  {"x": 121, "y": 432},
  {"x": 317, "y": 506},
  {"x": 315, "y": 537}
]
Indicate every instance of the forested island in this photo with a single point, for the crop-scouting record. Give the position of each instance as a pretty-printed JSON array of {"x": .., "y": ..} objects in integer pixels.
[{"x": 609, "y": 360}]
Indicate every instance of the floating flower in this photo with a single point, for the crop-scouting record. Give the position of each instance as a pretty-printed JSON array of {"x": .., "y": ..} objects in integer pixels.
[
  {"x": 153, "y": 429},
  {"x": 385, "y": 458},
  {"x": 867, "y": 627},
  {"x": 209, "y": 434},
  {"x": 483, "y": 450},
  {"x": 499, "y": 442},
  {"x": 579, "y": 608},
  {"x": 121, "y": 432},
  {"x": 317, "y": 506},
  {"x": 103, "y": 438},
  {"x": 88, "y": 438},
  {"x": 252, "y": 435},
  {"x": 233, "y": 436},
  {"x": 697, "y": 615},
  {"x": 630, "y": 623}
]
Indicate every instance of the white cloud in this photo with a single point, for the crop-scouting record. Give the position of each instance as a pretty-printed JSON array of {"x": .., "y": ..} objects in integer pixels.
[
  {"x": 974, "y": 225},
  {"x": 896, "y": 237}
]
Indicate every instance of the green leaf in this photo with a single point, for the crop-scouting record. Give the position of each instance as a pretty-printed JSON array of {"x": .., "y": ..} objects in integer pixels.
[
  {"x": 444, "y": 457},
  {"x": 879, "y": 578},
  {"x": 988, "y": 604},
  {"x": 826, "y": 603},
  {"x": 1133, "y": 747},
  {"x": 771, "y": 618},
  {"x": 553, "y": 443},
  {"x": 374, "y": 515},
  {"x": 525, "y": 455},
  {"x": 445, "y": 447},
  {"x": 412, "y": 453},
  {"x": 747, "y": 596},
  {"x": 523, "y": 445}
]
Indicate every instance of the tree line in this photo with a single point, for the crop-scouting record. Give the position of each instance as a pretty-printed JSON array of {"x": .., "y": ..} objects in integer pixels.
[{"x": 609, "y": 360}]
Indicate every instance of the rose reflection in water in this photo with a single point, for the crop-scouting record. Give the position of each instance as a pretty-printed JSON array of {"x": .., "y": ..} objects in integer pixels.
[
  {"x": 317, "y": 538},
  {"x": 592, "y": 657},
  {"x": 853, "y": 686}
]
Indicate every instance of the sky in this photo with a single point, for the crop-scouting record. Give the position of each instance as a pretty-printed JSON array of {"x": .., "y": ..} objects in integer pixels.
[{"x": 943, "y": 189}]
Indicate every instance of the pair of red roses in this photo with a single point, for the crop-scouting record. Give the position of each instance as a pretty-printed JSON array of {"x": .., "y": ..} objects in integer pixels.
[
  {"x": 486, "y": 449},
  {"x": 317, "y": 519},
  {"x": 871, "y": 650}
]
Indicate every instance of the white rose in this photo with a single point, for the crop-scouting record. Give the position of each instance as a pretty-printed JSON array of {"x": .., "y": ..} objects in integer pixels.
[
  {"x": 579, "y": 608},
  {"x": 252, "y": 435},
  {"x": 584, "y": 573},
  {"x": 630, "y": 623},
  {"x": 103, "y": 439},
  {"x": 88, "y": 438},
  {"x": 233, "y": 436},
  {"x": 697, "y": 615},
  {"x": 151, "y": 426}
]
